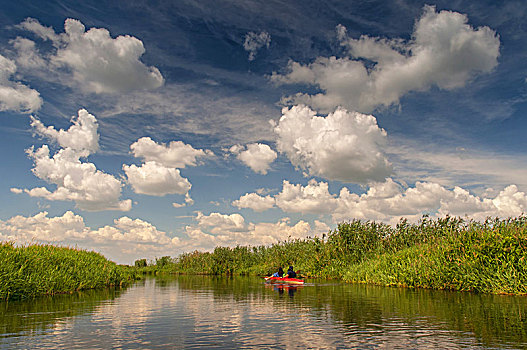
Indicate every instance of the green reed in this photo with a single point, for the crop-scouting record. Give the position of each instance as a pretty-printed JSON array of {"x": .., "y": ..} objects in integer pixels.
[
  {"x": 446, "y": 253},
  {"x": 37, "y": 269},
  {"x": 488, "y": 257}
]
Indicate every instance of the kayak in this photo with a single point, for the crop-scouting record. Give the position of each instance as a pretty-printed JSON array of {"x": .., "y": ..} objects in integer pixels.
[{"x": 283, "y": 280}]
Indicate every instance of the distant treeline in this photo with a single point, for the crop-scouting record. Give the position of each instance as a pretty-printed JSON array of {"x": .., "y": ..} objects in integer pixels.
[
  {"x": 32, "y": 270},
  {"x": 447, "y": 253}
]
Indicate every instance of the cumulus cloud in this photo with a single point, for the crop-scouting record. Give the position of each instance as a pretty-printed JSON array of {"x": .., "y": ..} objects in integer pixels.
[
  {"x": 313, "y": 198},
  {"x": 445, "y": 51},
  {"x": 429, "y": 198},
  {"x": 389, "y": 201},
  {"x": 122, "y": 241},
  {"x": 27, "y": 54},
  {"x": 127, "y": 238},
  {"x": 34, "y": 26},
  {"x": 81, "y": 136},
  {"x": 255, "y": 202},
  {"x": 221, "y": 222},
  {"x": 230, "y": 230},
  {"x": 175, "y": 155},
  {"x": 257, "y": 156},
  {"x": 15, "y": 96},
  {"x": 159, "y": 175},
  {"x": 255, "y": 41},
  {"x": 97, "y": 62},
  {"x": 344, "y": 146},
  {"x": 75, "y": 180},
  {"x": 188, "y": 201},
  {"x": 154, "y": 179}
]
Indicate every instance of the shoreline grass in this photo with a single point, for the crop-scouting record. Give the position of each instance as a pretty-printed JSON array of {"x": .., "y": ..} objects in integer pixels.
[
  {"x": 486, "y": 258},
  {"x": 38, "y": 269},
  {"x": 448, "y": 253}
]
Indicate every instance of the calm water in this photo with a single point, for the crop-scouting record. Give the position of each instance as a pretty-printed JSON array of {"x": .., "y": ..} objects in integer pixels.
[{"x": 216, "y": 312}]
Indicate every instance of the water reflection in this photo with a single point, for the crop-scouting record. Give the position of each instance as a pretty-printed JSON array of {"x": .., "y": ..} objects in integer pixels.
[
  {"x": 47, "y": 312},
  {"x": 242, "y": 312},
  {"x": 281, "y": 289}
]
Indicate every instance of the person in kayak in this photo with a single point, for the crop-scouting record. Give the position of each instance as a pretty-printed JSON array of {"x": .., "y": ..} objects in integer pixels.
[
  {"x": 280, "y": 273},
  {"x": 290, "y": 273}
]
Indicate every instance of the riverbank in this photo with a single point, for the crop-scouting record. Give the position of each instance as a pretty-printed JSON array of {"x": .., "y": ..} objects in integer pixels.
[
  {"x": 488, "y": 258},
  {"x": 33, "y": 270},
  {"x": 448, "y": 253}
]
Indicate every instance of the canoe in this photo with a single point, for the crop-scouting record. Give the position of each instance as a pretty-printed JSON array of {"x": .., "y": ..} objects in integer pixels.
[{"x": 283, "y": 280}]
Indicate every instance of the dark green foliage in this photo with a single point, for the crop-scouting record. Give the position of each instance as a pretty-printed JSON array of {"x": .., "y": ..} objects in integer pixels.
[
  {"x": 140, "y": 263},
  {"x": 34, "y": 270},
  {"x": 447, "y": 253},
  {"x": 163, "y": 261}
]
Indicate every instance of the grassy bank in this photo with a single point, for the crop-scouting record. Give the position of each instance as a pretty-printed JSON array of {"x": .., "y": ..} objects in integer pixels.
[
  {"x": 489, "y": 257},
  {"x": 33, "y": 270},
  {"x": 448, "y": 253}
]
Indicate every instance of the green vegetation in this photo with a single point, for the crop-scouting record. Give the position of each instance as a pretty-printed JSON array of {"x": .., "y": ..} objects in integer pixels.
[
  {"x": 488, "y": 258},
  {"x": 33, "y": 270},
  {"x": 448, "y": 253}
]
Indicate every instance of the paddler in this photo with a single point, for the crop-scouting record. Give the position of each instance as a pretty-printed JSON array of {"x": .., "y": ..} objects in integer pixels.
[
  {"x": 290, "y": 273},
  {"x": 279, "y": 273}
]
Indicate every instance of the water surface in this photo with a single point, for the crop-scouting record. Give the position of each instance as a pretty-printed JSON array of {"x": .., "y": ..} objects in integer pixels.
[{"x": 187, "y": 312}]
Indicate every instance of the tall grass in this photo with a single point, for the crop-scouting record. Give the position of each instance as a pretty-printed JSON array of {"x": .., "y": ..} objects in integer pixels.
[
  {"x": 33, "y": 270},
  {"x": 447, "y": 253},
  {"x": 489, "y": 257}
]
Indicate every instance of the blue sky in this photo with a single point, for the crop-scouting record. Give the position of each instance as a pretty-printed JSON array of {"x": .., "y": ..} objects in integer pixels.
[{"x": 144, "y": 129}]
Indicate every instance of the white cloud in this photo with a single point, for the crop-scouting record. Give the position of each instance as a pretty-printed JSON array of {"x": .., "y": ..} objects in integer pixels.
[
  {"x": 75, "y": 180},
  {"x": 388, "y": 201},
  {"x": 159, "y": 175},
  {"x": 15, "y": 96},
  {"x": 133, "y": 231},
  {"x": 125, "y": 240},
  {"x": 230, "y": 230},
  {"x": 313, "y": 198},
  {"x": 27, "y": 54},
  {"x": 445, "y": 51},
  {"x": 175, "y": 155},
  {"x": 34, "y": 26},
  {"x": 154, "y": 179},
  {"x": 97, "y": 62},
  {"x": 429, "y": 198},
  {"x": 254, "y": 41},
  {"x": 188, "y": 201},
  {"x": 220, "y": 222},
  {"x": 128, "y": 239},
  {"x": 344, "y": 146},
  {"x": 42, "y": 228},
  {"x": 81, "y": 136},
  {"x": 255, "y": 202},
  {"x": 257, "y": 156}
]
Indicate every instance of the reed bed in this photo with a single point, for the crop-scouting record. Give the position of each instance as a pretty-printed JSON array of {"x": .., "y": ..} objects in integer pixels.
[
  {"x": 447, "y": 253},
  {"x": 37, "y": 269}
]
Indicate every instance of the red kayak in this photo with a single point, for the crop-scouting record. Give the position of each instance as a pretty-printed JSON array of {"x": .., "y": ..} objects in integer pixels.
[{"x": 283, "y": 280}]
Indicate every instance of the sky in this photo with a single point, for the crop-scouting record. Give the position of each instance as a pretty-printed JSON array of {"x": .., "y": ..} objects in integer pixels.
[{"x": 141, "y": 129}]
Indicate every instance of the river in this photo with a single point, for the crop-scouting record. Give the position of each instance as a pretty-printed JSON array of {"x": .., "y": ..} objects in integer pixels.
[{"x": 191, "y": 312}]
